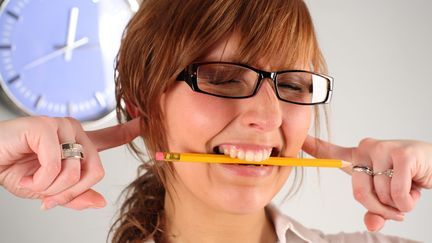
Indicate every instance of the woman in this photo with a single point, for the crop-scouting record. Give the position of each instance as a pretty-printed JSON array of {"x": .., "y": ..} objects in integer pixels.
[{"x": 241, "y": 78}]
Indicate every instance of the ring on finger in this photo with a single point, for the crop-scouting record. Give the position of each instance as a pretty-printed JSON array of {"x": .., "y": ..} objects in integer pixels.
[
  {"x": 71, "y": 150},
  {"x": 388, "y": 173},
  {"x": 363, "y": 168}
]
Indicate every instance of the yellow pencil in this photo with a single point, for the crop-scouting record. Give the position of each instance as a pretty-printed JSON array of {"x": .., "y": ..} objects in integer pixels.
[{"x": 218, "y": 158}]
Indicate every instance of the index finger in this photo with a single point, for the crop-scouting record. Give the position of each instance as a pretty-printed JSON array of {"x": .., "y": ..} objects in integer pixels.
[
  {"x": 114, "y": 136},
  {"x": 321, "y": 149}
]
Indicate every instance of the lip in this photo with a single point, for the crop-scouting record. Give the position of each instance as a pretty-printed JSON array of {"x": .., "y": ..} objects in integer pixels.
[{"x": 247, "y": 171}]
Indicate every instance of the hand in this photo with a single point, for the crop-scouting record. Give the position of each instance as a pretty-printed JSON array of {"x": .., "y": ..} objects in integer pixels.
[
  {"x": 31, "y": 165},
  {"x": 383, "y": 197}
]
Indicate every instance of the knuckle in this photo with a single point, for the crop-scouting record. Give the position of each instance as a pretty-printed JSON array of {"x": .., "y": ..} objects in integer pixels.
[
  {"x": 38, "y": 188},
  {"x": 44, "y": 123},
  {"x": 99, "y": 173},
  {"x": 379, "y": 147},
  {"x": 66, "y": 198},
  {"x": 54, "y": 169},
  {"x": 366, "y": 142},
  {"x": 43, "y": 118},
  {"x": 360, "y": 194},
  {"x": 404, "y": 203},
  {"x": 403, "y": 153},
  {"x": 398, "y": 195},
  {"x": 74, "y": 123},
  {"x": 384, "y": 197},
  {"x": 73, "y": 177},
  {"x": 407, "y": 208},
  {"x": 66, "y": 121}
]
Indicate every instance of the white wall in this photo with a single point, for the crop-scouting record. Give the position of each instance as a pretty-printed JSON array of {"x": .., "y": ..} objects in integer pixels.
[{"x": 379, "y": 53}]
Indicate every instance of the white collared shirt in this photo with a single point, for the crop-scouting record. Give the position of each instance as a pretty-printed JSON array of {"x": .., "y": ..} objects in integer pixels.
[{"x": 289, "y": 230}]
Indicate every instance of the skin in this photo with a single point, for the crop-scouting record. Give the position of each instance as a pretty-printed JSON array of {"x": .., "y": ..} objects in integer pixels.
[
  {"x": 211, "y": 205},
  {"x": 210, "y": 191},
  {"x": 206, "y": 197},
  {"x": 384, "y": 198},
  {"x": 31, "y": 166}
]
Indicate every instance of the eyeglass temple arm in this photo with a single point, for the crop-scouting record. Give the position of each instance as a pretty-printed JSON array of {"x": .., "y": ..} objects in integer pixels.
[{"x": 182, "y": 76}]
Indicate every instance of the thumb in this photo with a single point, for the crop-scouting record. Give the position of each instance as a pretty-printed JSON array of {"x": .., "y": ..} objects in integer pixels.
[
  {"x": 114, "y": 136},
  {"x": 88, "y": 199},
  {"x": 324, "y": 150},
  {"x": 374, "y": 222},
  {"x": 321, "y": 149}
]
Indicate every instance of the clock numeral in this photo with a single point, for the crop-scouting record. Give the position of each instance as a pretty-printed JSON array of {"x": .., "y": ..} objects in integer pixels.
[
  {"x": 38, "y": 101},
  {"x": 100, "y": 99},
  {"x": 69, "y": 109},
  {"x": 5, "y": 47},
  {"x": 13, "y": 79},
  {"x": 12, "y": 14}
]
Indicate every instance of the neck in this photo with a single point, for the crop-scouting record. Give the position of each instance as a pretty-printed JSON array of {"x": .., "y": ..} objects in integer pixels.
[{"x": 188, "y": 222}]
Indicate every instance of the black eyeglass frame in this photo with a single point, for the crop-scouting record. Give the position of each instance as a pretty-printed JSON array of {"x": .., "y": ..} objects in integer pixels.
[{"x": 189, "y": 75}]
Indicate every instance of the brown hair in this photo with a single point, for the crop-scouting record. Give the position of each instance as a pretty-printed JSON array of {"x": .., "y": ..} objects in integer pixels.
[{"x": 163, "y": 38}]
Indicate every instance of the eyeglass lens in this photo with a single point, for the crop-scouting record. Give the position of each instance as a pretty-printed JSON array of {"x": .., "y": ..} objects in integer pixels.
[{"x": 236, "y": 81}]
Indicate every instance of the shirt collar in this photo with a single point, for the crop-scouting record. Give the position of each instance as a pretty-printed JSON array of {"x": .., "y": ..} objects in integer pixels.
[{"x": 287, "y": 229}]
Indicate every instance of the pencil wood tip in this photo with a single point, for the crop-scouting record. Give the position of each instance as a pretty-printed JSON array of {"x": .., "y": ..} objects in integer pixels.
[{"x": 346, "y": 164}]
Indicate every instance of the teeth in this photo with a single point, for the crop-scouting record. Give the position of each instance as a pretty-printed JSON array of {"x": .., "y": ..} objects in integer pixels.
[
  {"x": 241, "y": 154},
  {"x": 248, "y": 155},
  {"x": 258, "y": 156},
  {"x": 232, "y": 153}
]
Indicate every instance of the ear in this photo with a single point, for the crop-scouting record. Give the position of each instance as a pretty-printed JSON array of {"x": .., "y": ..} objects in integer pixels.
[{"x": 131, "y": 109}]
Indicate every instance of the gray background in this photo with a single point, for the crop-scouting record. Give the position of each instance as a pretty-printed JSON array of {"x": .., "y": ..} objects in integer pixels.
[{"x": 379, "y": 53}]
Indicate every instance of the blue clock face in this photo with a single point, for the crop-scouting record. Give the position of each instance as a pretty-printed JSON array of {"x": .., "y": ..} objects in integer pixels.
[{"x": 57, "y": 57}]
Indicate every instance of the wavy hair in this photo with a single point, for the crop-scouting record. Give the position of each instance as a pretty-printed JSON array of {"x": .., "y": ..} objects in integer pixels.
[{"x": 161, "y": 39}]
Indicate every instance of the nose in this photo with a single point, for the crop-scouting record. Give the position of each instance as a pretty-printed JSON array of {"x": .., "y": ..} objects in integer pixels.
[{"x": 262, "y": 111}]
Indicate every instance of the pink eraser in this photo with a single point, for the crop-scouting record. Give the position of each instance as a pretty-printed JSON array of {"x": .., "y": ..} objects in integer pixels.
[{"x": 159, "y": 156}]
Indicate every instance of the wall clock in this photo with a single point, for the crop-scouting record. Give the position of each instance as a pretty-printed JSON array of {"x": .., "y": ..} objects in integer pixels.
[{"x": 57, "y": 56}]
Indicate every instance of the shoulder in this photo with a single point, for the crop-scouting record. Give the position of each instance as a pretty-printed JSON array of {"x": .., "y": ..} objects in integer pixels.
[{"x": 289, "y": 230}]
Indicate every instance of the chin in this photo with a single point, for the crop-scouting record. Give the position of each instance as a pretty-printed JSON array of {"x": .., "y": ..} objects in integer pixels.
[{"x": 243, "y": 200}]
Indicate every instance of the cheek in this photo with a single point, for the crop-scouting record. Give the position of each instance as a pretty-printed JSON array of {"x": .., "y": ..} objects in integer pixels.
[
  {"x": 295, "y": 127},
  {"x": 186, "y": 111}
]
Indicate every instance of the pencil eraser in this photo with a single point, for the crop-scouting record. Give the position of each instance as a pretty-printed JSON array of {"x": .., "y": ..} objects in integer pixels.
[{"x": 159, "y": 156}]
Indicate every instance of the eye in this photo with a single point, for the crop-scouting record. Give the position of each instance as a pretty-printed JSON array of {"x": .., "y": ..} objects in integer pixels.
[
  {"x": 292, "y": 86},
  {"x": 223, "y": 82}
]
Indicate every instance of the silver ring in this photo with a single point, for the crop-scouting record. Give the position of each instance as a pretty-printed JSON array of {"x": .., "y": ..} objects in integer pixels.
[
  {"x": 71, "y": 146},
  {"x": 388, "y": 173},
  {"x": 363, "y": 168},
  {"x": 71, "y": 150}
]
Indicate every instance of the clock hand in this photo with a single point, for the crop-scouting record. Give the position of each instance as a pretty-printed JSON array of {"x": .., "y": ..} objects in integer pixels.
[
  {"x": 73, "y": 22},
  {"x": 56, "y": 53}
]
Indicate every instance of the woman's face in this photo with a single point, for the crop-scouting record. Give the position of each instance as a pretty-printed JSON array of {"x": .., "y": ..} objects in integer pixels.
[{"x": 198, "y": 123}]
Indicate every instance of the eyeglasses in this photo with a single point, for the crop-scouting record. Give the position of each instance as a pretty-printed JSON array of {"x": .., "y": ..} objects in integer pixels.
[{"x": 237, "y": 81}]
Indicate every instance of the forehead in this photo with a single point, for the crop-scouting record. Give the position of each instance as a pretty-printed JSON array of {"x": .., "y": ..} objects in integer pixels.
[{"x": 228, "y": 50}]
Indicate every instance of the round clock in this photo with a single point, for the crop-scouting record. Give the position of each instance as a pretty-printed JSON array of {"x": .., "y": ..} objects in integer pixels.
[{"x": 57, "y": 57}]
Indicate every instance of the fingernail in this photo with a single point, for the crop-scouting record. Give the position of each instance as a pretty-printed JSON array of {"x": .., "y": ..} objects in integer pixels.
[
  {"x": 48, "y": 205},
  {"x": 100, "y": 204},
  {"x": 400, "y": 216}
]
